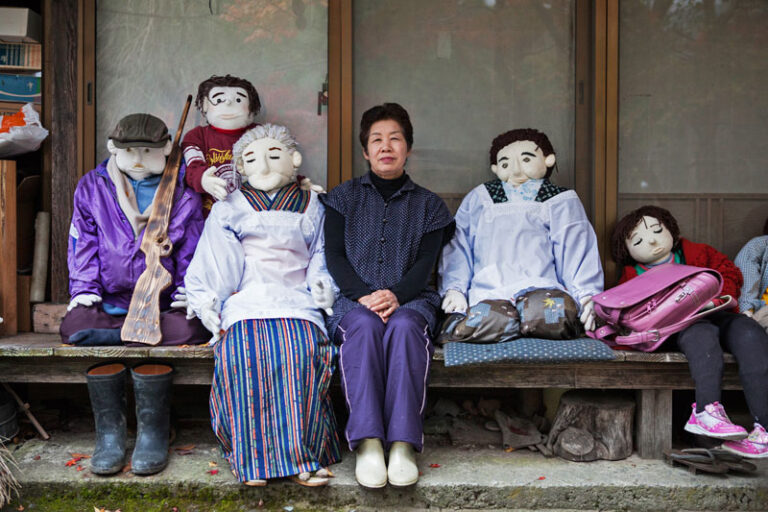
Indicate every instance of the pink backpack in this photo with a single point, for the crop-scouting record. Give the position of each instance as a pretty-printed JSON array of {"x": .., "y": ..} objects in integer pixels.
[{"x": 643, "y": 312}]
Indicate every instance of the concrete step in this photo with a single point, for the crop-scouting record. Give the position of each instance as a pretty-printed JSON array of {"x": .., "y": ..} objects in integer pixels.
[{"x": 453, "y": 478}]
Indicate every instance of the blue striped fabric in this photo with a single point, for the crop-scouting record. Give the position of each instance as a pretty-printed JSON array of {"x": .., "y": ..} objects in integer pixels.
[{"x": 270, "y": 408}]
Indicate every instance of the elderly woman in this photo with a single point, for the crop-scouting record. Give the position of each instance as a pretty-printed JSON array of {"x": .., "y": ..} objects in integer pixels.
[
  {"x": 383, "y": 236},
  {"x": 259, "y": 274}
]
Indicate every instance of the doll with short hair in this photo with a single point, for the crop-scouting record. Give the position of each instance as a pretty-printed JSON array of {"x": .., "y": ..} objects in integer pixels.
[{"x": 649, "y": 236}]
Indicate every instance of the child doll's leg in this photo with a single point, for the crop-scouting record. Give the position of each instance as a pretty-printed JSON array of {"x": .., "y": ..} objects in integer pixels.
[{"x": 701, "y": 345}]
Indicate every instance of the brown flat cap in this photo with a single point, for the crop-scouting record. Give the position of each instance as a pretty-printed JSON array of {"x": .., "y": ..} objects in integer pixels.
[{"x": 144, "y": 130}]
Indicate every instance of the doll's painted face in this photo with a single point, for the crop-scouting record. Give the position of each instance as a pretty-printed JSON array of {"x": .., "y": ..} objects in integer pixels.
[
  {"x": 267, "y": 164},
  {"x": 650, "y": 242},
  {"x": 140, "y": 162},
  {"x": 521, "y": 161},
  {"x": 227, "y": 108}
]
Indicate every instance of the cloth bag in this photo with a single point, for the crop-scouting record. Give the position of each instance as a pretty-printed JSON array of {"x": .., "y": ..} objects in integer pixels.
[{"x": 643, "y": 312}]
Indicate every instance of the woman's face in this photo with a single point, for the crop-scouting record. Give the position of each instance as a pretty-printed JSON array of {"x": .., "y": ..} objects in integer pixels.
[
  {"x": 387, "y": 150},
  {"x": 650, "y": 241}
]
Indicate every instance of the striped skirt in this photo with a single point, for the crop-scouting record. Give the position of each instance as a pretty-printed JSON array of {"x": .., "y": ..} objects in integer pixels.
[{"x": 270, "y": 408}]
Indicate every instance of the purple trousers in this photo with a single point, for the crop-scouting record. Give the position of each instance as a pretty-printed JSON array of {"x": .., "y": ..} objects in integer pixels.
[
  {"x": 176, "y": 329},
  {"x": 384, "y": 374}
]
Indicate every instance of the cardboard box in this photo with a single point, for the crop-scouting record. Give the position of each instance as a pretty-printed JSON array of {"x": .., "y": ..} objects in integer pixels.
[
  {"x": 24, "y": 88},
  {"x": 20, "y": 25}
]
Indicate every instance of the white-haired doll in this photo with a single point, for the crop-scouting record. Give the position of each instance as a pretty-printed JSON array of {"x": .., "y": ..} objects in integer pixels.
[
  {"x": 259, "y": 276},
  {"x": 752, "y": 260}
]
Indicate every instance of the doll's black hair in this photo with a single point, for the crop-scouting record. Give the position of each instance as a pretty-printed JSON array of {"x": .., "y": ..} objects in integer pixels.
[
  {"x": 384, "y": 112},
  {"x": 765, "y": 227},
  {"x": 205, "y": 87},
  {"x": 535, "y": 136},
  {"x": 627, "y": 224}
]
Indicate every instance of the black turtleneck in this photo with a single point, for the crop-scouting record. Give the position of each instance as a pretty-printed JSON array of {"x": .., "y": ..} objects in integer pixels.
[{"x": 350, "y": 284}]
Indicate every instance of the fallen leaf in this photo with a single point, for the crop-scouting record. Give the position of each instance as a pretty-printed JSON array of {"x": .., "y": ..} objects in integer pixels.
[
  {"x": 213, "y": 471},
  {"x": 36, "y": 457},
  {"x": 542, "y": 478},
  {"x": 79, "y": 467},
  {"x": 126, "y": 468},
  {"x": 184, "y": 447},
  {"x": 421, "y": 473},
  {"x": 184, "y": 452},
  {"x": 183, "y": 346},
  {"x": 71, "y": 462},
  {"x": 212, "y": 464},
  {"x": 20, "y": 507},
  {"x": 175, "y": 509},
  {"x": 261, "y": 503},
  {"x": 509, "y": 449},
  {"x": 79, "y": 456},
  {"x": 434, "y": 465}
]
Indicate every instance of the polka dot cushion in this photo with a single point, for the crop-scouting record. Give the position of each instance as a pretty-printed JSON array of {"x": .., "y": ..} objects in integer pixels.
[{"x": 527, "y": 350}]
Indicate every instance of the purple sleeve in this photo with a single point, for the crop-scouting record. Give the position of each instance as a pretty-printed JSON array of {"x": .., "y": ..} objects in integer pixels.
[
  {"x": 83, "y": 248},
  {"x": 189, "y": 213}
]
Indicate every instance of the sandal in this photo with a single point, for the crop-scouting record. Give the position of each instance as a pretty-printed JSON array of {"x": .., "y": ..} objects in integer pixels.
[
  {"x": 251, "y": 483},
  {"x": 696, "y": 462},
  {"x": 733, "y": 461},
  {"x": 307, "y": 480}
]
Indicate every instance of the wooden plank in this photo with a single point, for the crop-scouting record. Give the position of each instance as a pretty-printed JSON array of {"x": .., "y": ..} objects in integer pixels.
[
  {"x": 8, "y": 298},
  {"x": 47, "y": 317},
  {"x": 653, "y": 422},
  {"x": 583, "y": 108},
  {"x": 348, "y": 140},
  {"x": 334, "y": 93},
  {"x": 23, "y": 307},
  {"x": 611, "y": 132},
  {"x": 61, "y": 44}
]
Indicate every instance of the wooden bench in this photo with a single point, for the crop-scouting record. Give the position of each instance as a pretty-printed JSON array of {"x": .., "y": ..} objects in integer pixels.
[{"x": 41, "y": 358}]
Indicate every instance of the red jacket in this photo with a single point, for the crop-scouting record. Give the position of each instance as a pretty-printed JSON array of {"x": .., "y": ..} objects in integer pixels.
[{"x": 705, "y": 256}]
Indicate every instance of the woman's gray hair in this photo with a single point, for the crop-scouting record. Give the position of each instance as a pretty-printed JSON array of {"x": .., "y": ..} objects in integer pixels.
[{"x": 264, "y": 131}]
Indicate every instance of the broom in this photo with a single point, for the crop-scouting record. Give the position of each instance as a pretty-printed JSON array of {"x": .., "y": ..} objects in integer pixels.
[{"x": 8, "y": 483}]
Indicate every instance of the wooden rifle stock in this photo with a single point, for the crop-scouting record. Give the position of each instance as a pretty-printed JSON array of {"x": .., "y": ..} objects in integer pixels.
[{"x": 142, "y": 324}]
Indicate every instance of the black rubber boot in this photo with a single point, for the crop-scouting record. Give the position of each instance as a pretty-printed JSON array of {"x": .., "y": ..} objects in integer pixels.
[
  {"x": 106, "y": 387},
  {"x": 152, "y": 390}
]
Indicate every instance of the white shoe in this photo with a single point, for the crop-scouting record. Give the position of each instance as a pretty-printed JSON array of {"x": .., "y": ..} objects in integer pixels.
[
  {"x": 370, "y": 469},
  {"x": 402, "y": 470}
]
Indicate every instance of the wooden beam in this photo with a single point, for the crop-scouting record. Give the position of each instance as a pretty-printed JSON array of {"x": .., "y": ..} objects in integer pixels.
[
  {"x": 8, "y": 279},
  {"x": 61, "y": 47},
  {"x": 583, "y": 176},
  {"x": 348, "y": 145},
  {"x": 611, "y": 133},
  {"x": 334, "y": 93},
  {"x": 653, "y": 422}
]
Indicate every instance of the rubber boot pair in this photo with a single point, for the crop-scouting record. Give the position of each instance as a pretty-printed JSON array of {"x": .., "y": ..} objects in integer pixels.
[
  {"x": 152, "y": 391},
  {"x": 372, "y": 472}
]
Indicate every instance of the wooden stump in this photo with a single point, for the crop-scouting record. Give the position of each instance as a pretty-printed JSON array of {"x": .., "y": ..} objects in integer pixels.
[{"x": 592, "y": 425}]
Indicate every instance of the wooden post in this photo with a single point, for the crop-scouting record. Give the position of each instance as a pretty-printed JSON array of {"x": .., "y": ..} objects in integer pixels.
[
  {"x": 8, "y": 283},
  {"x": 654, "y": 422}
]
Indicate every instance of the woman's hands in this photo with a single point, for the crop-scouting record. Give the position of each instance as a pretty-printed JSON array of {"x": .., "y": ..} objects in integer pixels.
[{"x": 381, "y": 302}]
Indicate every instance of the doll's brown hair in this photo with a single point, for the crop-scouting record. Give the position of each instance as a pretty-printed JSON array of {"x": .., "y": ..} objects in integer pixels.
[
  {"x": 627, "y": 224},
  {"x": 205, "y": 87},
  {"x": 535, "y": 136}
]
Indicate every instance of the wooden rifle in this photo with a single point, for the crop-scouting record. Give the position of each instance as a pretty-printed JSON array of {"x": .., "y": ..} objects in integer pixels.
[{"x": 142, "y": 324}]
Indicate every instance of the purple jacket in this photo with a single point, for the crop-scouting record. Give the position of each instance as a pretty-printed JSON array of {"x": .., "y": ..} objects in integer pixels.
[{"x": 103, "y": 257}]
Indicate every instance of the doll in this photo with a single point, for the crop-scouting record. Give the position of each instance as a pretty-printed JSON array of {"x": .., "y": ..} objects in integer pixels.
[
  {"x": 649, "y": 236},
  {"x": 752, "y": 260},
  {"x": 259, "y": 275},
  {"x": 520, "y": 234},
  {"x": 112, "y": 205},
  {"x": 229, "y": 105}
]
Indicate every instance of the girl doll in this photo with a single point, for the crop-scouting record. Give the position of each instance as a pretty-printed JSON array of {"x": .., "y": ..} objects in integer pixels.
[
  {"x": 752, "y": 260},
  {"x": 650, "y": 236}
]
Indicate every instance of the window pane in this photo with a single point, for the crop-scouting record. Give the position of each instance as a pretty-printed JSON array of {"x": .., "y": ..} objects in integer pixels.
[
  {"x": 693, "y": 103},
  {"x": 152, "y": 53},
  {"x": 693, "y": 96},
  {"x": 467, "y": 71}
]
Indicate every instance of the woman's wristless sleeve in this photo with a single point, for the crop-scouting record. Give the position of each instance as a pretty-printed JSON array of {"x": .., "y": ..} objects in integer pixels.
[{"x": 340, "y": 268}]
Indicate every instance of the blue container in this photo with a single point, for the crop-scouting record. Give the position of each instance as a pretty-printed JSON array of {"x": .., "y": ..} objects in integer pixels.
[{"x": 23, "y": 88}]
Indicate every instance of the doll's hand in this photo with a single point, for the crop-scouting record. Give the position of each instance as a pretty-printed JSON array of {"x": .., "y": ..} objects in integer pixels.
[
  {"x": 214, "y": 185},
  {"x": 306, "y": 184},
  {"x": 180, "y": 299},
  {"x": 323, "y": 295},
  {"x": 454, "y": 302},
  {"x": 84, "y": 299},
  {"x": 587, "y": 313},
  {"x": 210, "y": 318},
  {"x": 761, "y": 316},
  {"x": 748, "y": 313}
]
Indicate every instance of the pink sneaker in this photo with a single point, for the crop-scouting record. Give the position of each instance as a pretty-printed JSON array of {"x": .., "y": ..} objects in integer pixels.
[
  {"x": 713, "y": 422},
  {"x": 755, "y": 446}
]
